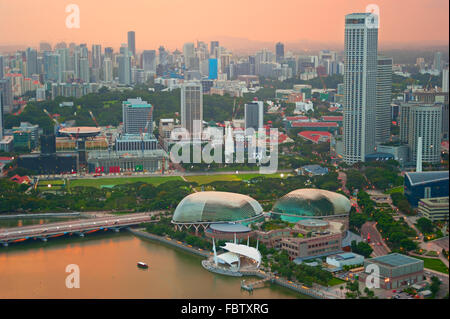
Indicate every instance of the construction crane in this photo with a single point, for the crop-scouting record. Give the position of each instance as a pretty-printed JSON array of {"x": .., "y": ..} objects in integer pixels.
[
  {"x": 148, "y": 120},
  {"x": 235, "y": 109},
  {"x": 93, "y": 118},
  {"x": 51, "y": 117}
]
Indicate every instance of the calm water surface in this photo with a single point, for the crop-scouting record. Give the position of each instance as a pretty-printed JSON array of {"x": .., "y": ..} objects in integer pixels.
[{"x": 108, "y": 270}]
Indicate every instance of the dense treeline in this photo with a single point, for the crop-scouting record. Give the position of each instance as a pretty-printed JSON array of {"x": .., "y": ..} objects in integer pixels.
[{"x": 134, "y": 197}]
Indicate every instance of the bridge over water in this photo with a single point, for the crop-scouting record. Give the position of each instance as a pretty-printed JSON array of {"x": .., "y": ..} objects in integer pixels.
[{"x": 74, "y": 227}]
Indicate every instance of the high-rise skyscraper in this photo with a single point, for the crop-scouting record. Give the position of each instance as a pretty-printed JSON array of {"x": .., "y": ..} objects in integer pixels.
[
  {"x": 96, "y": 56},
  {"x": 107, "y": 70},
  {"x": 279, "y": 51},
  {"x": 124, "y": 60},
  {"x": 1, "y": 67},
  {"x": 31, "y": 55},
  {"x": 84, "y": 70},
  {"x": 1, "y": 117},
  {"x": 149, "y": 60},
  {"x": 360, "y": 79},
  {"x": 437, "y": 61},
  {"x": 384, "y": 93},
  {"x": 254, "y": 115},
  {"x": 212, "y": 48},
  {"x": 423, "y": 120},
  {"x": 188, "y": 53},
  {"x": 136, "y": 114},
  {"x": 52, "y": 67},
  {"x": 213, "y": 69},
  {"x": 6, "y": 94},
  {"x": 445, "y": 80},
  {"x": 132, "y": 42},
  {"x": 192, "y": 107}
]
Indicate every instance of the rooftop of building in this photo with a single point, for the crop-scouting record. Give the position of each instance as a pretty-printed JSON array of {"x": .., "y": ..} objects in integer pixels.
[
  {"x": 315, "y": 169},
  {"x": 345, "y": 256},
  {"x": 315, "y": 136},
  {"x": 441, "y": 201},
  {"x": 395, "y": 260},
  {"x": 417, "y": 178},
  {"x": 333, "y": 118},
  {"x": 104, "y": 154},
  {"x": 313, "y": 223},
  {"x": 136, "y": 103},
  {"x": 136, "y": 137},
  {"x": 229, "y": 228}
]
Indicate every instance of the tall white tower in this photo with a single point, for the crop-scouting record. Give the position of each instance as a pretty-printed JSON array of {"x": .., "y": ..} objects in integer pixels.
[
  {"x": 419, "y": 155},
  {"x": 360, "y": 86}
]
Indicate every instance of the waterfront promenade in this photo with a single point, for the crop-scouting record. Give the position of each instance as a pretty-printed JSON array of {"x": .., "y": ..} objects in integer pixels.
[{"x": 311, "y": 292}]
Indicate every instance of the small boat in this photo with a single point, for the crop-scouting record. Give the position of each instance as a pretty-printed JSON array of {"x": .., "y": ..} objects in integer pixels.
[{"x": 141, "y": 264}]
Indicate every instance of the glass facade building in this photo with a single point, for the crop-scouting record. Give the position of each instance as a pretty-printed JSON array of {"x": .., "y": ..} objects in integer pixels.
[
  {"x": 312, "y": 203},
  {"x": 208, "y": 207}
]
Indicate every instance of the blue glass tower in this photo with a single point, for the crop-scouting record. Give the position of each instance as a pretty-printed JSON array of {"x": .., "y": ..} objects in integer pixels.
[{"x": 212, "y": 69}]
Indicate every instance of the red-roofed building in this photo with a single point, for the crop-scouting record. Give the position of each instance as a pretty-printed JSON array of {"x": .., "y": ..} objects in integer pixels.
[
  {"x": 316, "y": 136},
  {"x": 297, "y": 118},
  {"x": 21, "y": 179},
  {"x": 333, "y": 108},
  {"x": 332, "y": 118}
]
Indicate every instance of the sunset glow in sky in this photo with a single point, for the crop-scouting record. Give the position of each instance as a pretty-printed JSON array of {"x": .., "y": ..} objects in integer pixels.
[{"x": 173, "y": 22}]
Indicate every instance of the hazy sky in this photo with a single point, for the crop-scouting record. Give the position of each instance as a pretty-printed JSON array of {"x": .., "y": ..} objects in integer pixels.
[{"x": 172, "y": 22}]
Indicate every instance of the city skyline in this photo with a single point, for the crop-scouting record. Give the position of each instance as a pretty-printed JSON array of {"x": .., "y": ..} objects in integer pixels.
[{"x": 302, "y": 26}]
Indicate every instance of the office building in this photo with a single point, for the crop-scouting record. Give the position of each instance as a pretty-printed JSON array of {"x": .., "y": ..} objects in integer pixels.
[
  {"x": 345, "y": 259},
  {"x": 124, "y": 68},
  {"x": 149, "y": 60},
  {"x": 279, "y": 52},
  {"x": 445, "y": 80},
  {"x": 132, "y": 42},
  {"x": 2, "y": 66},
  {"x": 437, "y": 61},
  {"x": 96, "y": 56},
  {"x": 192, "y": 107},
  {"x": 254, "y": 115},
  {"x": 188, "y": 53},
  {"x": 422, "y": 120},
  {"x": 212, "y": 69},
  {"x": 213, "y": 46},
  {"x": 431, "y": 184},
  {"x": 7, "y": 96},
  {"x": 395, "y": 270},
  {"x": 137, "y": 115},
  {"x": 136, "y": 142},
  {"x": 130, "y": 161},
  {"x": 32, "y": 65},
  {"x": 84, "y": 70},
  {"x": 107, "y": 70},
  {"x": 1, "y": 118},
  {"x": 360, "y": 77},
  {"x": 384, "y": 93},
  {"x": 434, "y": 209}
]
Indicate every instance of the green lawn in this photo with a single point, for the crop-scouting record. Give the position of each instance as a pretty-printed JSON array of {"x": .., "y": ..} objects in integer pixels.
[
  {"x": 335, "y": 281},
  {"x": 98, "y": 182},
  {"x": 434, "y": 264},
  {"x": 200, "y": 179},
  {"x": 206, "y": 179},
  {"x": 398, "y": 189}
]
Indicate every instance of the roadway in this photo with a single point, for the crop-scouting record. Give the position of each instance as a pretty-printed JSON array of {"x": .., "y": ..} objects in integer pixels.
[
  {"x": 376, "y": 240},
  {"x": 73, "y": 226}
]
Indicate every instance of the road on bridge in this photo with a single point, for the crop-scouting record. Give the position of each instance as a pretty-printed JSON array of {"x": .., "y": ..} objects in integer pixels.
[{"x": 45, "y": 230}]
